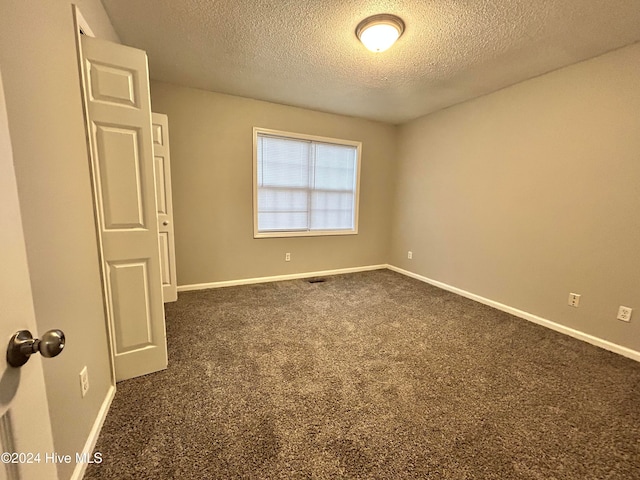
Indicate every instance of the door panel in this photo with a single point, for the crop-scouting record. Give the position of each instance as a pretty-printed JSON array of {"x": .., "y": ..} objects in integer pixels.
[
  {"x": 161, "y": 190},
  {"x": 164, "y": 204},
  {"x": 116, "y": 87},
  {"x": 25, "y": 424},
  {"x": 164, "y": 259},
  {"x": 129, "y": 284},
  {"x": 118, "y": 160},
  {"x": 112, "y": 85}
]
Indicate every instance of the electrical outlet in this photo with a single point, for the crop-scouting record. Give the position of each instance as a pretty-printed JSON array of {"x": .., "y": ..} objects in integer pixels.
[
  {"x": 84, "y": 381},
  {"x": 624, "y": 314},
  {"x": 409, "y": 254},
  {"x": 287, "y": 257},
  {"x": 574, "y": 299}
]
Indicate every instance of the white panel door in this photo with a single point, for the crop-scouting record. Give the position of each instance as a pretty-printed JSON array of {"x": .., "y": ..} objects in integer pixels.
[
  {"x": 164, "y": 202},
  {"x": 25, "y": 426},
  {"x": 117, "y": 103}
]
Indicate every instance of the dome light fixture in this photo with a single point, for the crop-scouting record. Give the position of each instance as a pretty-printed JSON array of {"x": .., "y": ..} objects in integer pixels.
[{"x": 379, "y": 32}]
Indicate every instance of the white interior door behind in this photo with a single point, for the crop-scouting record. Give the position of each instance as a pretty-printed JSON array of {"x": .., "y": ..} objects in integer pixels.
[
  {"x": 118, "y": 108},
  {"x": 164, "y": 201},
  {"x": 25, "y": 426}
]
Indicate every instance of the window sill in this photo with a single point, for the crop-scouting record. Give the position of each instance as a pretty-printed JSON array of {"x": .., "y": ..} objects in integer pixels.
[{"x": 314, "y": 233}]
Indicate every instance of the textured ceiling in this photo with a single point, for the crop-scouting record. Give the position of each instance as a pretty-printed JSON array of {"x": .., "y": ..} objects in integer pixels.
[{"x": 305, "y": 52}]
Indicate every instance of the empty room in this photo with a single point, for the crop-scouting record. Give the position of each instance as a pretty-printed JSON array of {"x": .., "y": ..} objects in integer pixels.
[{"x": 320, "y": 239}]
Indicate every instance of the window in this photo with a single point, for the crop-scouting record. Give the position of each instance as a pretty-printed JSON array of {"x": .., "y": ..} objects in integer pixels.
[{"x": 304, "y": 185}]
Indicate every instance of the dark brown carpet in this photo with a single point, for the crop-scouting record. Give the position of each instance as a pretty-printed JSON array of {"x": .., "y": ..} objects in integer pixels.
[{"x": 370, "y": 375}]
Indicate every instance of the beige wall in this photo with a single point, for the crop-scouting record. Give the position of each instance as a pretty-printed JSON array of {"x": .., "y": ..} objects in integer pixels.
[
  {"x": 211, "y": 140},
  {"x": 40, "y": 71},
  {"x": 530, "y": 193},
  {"x": 520, "y": 196}
]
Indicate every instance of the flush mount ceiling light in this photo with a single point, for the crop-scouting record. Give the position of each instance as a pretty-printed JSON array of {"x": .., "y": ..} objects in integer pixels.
[{"x": 379, "y": 32}]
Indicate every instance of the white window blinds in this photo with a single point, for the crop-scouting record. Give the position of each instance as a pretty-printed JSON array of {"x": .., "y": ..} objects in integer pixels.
[{"x": 305, "y": 185}]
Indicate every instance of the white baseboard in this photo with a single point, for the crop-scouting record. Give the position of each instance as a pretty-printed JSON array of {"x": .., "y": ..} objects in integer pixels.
[
  {"x": 90, "y": 444},
  {"x": 278, "y": 278},
  {"x": 598, "y": 342}
]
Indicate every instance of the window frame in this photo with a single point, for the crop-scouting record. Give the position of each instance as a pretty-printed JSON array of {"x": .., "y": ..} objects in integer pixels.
[{"x": 311, "y": 138}]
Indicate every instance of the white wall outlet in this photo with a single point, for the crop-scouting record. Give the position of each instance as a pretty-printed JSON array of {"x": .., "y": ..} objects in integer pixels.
[
  {"x": 84, "y": 381},
  {"x": 624, "y": 314},
  {"x": 574, "y": 299},
  {"x": 409, "y": 254},
  {"x": 287, "y": 257}
]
